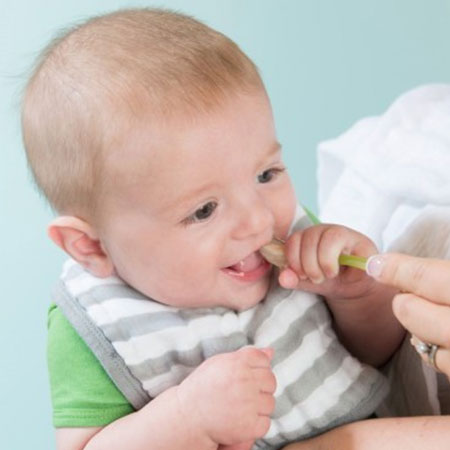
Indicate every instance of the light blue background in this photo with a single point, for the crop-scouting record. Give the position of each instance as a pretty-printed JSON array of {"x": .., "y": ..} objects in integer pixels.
[{"x": 326, "y": 63}]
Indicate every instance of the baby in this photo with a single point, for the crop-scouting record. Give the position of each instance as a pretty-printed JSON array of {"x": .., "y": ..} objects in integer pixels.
[{"x": 152, "y": 136}]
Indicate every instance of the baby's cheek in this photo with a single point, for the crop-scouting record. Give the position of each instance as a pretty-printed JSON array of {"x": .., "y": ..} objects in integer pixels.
[{"x": 286, "y": 216}]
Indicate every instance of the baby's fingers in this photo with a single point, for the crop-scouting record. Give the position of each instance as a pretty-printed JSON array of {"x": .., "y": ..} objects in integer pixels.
[
  {"x": 333, "y": 242},
  {"x": 261, "y": 427},
  {"x": 337, "y": 240},
  {"x": 266, "y": 404},
  {"x": 242, "y": 446},
  {"x": 255, "y": 357},
  {"x": 308, "y": 254},
  {"x": 288, "y": 279},
  {"x": 293, "y": 257},
  {"x": 265, "y": 380}
]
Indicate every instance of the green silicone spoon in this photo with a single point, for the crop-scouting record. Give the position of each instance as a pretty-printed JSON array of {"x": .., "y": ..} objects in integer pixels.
[{"x": 274, "y": 252}]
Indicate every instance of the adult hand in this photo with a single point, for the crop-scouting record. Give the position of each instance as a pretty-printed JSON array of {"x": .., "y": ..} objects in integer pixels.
[{"x": 423, "y": 306}]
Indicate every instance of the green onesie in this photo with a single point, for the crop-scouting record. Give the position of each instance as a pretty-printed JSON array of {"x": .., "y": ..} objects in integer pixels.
[{"x": 82, "y": 393}]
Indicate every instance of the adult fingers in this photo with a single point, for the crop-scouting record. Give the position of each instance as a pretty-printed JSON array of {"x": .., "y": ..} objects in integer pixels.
[
  {"x": 425, "y": 277},
  {"x": 428, "y": 321},
  {"x": 441, "y": 358}
]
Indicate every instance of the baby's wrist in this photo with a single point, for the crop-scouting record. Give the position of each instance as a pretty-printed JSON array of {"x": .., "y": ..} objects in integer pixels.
[{"x": 193, "y": 420}]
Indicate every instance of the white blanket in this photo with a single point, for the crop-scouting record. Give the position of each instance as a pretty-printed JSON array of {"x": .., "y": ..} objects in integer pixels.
[
  {"x": 389, "y": 177},
  {"x": 379, "y": 175}
]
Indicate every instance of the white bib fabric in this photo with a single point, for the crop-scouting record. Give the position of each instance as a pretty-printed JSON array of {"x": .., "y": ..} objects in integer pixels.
[{"x": 147, "y": 347}]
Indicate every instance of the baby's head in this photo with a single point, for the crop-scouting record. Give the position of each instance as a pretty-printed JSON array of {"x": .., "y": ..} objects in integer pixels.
[{"x": 153, "y": 138}]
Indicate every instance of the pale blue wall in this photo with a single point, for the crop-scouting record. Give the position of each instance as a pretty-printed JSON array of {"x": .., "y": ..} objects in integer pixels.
[{"x": 326, "y": 63}]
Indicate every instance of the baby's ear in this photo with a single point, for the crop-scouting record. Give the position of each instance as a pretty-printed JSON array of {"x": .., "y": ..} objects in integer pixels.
[{"x": 77, "y": 238}]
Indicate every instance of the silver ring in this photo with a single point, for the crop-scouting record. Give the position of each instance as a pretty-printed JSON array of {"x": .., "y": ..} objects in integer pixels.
[
  {"x": 432, "y": 356},
  {"x": 428, "y": 349}
]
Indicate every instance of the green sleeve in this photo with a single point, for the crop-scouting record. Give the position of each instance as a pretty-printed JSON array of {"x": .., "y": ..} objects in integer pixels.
[{"x": 82, "y": 393}]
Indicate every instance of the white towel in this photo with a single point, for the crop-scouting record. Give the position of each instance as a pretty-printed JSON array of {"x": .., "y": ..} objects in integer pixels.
[
  {"x": 389, "y": 177},
  {"x": 379, "y": 175}
]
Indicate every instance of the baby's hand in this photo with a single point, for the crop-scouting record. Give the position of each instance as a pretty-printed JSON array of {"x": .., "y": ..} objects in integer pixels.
[
  {"x": 230, "y": 396},
  {"x": 312, "y": 256}
]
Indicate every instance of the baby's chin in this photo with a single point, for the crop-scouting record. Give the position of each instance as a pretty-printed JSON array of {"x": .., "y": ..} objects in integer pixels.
[
  {"x": 250, "y": 301},
  {"x": 240, "y": 299}
]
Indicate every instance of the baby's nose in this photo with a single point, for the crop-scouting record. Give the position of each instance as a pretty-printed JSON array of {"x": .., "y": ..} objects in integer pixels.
[{"x": 254, "y": 218}]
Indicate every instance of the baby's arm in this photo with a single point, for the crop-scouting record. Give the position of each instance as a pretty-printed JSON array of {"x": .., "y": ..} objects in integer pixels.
[
  {"x": 412, "y": 433},
  {"x": 159, "y": 425},
  {"x": 227, "y": 400},
  {"x": 361, "y": 308}
]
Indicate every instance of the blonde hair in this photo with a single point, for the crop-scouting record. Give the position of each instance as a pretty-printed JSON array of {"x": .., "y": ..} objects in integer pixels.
[{"x": 123, "y": 63}]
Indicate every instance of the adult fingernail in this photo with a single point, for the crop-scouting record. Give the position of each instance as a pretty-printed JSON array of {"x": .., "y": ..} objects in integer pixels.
[{"x": 375, "y": 265}]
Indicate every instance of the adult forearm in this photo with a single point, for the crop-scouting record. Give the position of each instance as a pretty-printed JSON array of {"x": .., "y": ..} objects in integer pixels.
[
  {"x": 160, "y": 425},
  {"x": 412, "y": 433}
]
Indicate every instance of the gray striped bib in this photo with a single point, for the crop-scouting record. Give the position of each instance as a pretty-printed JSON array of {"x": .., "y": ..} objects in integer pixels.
[{"x": 147, "y": 347}]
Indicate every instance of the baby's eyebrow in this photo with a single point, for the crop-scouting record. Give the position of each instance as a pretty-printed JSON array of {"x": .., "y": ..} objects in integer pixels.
[
  {"x": 275, "y": 148},
  {"x": 195, "y": 193}
]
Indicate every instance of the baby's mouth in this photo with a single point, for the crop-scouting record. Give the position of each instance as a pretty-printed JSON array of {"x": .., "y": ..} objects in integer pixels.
[
  {"x": 252, "y": 267},
  {"x": 251, "y": 262}
]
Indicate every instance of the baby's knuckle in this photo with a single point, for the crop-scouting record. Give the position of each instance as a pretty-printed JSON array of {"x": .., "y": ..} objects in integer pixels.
[
  {"x": 272, "y": 403},
  {"x": 246, "y": 353},
  {"x": 227, "y": 364},
  {"x": 328, "y": 267},
  {"x": 295, "y": 238},
  {"x": 240, "y": 376},
  {"x": 334, "y": 233},
  {"x": 313, "y": 273},
  {"x": 309, "y": 239},
  {"x": 239, "y": 361},
  {"x": 292, "y": 252},
  {"x": 261, "y": 427},
  {"x": 273, "y": 383}
]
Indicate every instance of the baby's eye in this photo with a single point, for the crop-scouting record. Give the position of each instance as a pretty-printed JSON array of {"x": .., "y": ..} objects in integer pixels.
[
  {"x": 269, "y": 174},
  {"x": 202, "y": 213}
]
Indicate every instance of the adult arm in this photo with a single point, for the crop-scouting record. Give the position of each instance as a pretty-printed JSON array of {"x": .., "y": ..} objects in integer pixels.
[{"x": 412, "y": 433}]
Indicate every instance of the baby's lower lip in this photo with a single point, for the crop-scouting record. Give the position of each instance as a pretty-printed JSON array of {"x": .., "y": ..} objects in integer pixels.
[{"x": 256, "y": 274}]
